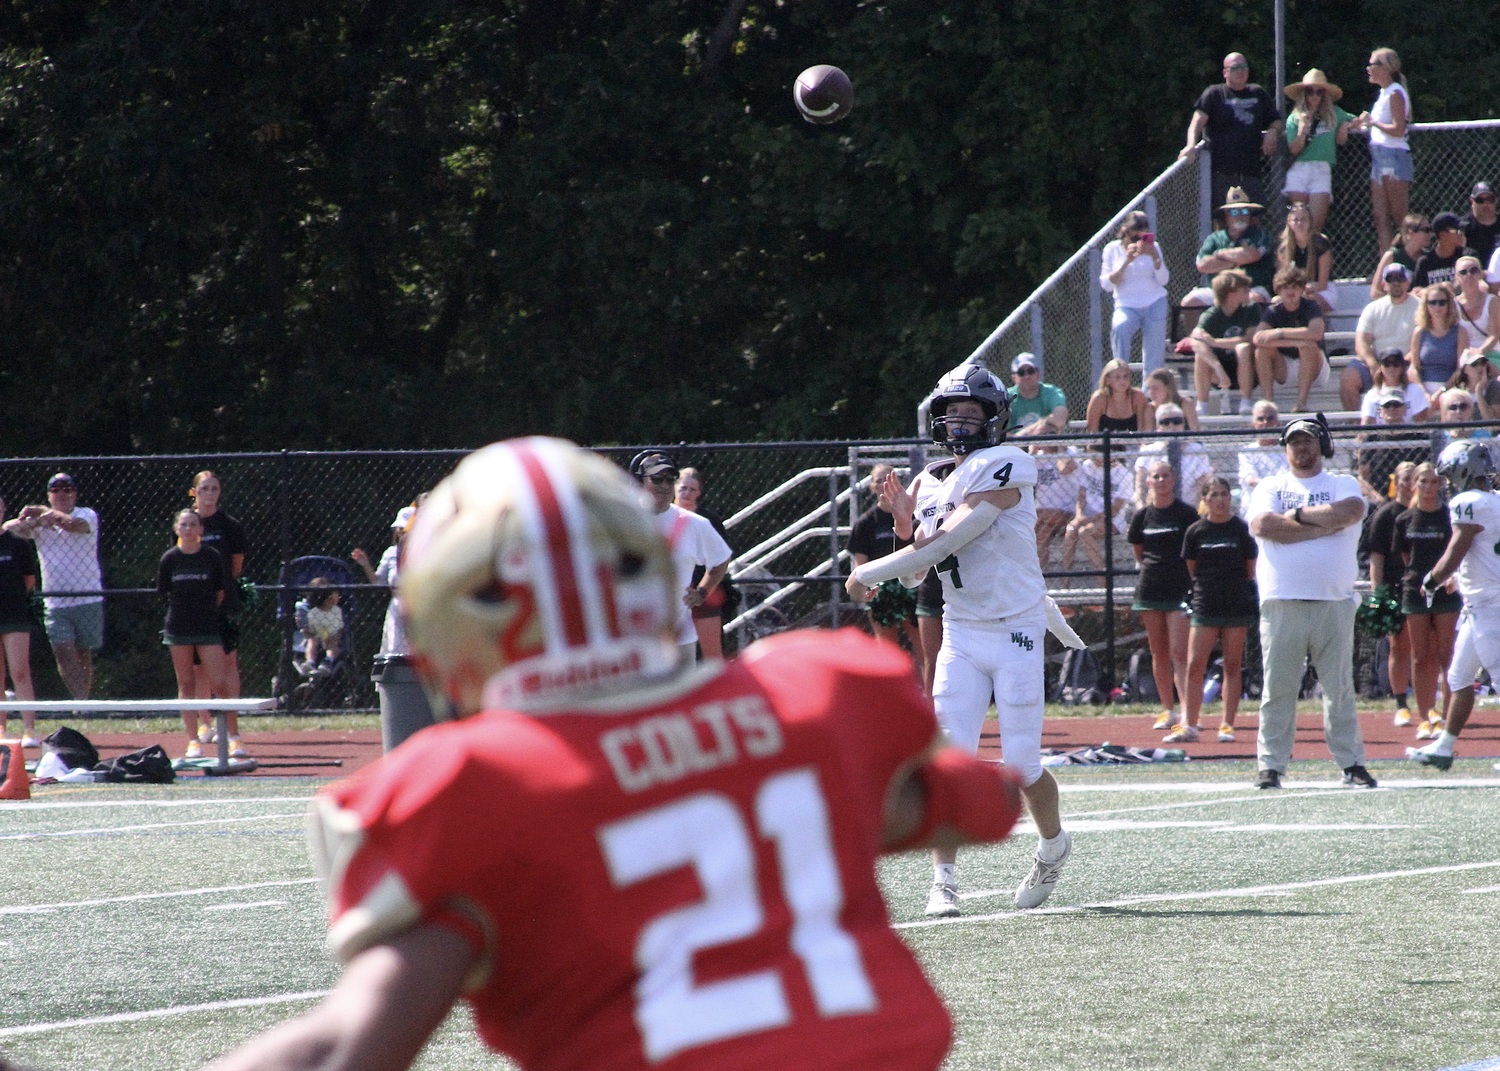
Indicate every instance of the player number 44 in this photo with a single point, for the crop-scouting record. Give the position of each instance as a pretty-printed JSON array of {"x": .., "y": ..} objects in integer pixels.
[{"x": 708, "y": 832}]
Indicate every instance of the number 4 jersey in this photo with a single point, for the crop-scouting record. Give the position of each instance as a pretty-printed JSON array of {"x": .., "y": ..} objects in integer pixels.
[
  {"x": 996, "y": 575},
  {"x": 684, "y": 883},
  {"x": 1479, "y": 572}
]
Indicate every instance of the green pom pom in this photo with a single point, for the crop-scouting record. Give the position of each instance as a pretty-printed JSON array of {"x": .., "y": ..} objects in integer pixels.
[
  {"x": 1380, "y": 613},
  {"x": 891, "y": 603}
]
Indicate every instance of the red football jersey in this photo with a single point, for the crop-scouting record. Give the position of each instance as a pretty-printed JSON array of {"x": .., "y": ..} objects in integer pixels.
[{"x": 685, "y": 883}]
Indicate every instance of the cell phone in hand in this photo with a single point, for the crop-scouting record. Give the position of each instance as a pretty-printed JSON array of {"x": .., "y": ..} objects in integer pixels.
[{"x": 1148, "y": 236}]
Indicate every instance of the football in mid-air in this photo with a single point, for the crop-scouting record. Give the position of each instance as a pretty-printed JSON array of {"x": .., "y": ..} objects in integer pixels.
[{"x": 823, "y": 94}]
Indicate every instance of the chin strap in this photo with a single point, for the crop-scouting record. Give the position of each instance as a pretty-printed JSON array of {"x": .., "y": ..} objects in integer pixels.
[{"x": 913, "y": 561}]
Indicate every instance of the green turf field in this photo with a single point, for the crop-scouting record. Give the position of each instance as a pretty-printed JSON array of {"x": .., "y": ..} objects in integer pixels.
[{"x": 1201, "y": 924}]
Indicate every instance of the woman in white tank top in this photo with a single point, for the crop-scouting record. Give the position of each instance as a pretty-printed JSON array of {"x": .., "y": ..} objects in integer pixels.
[
  {"x": 1478, "y": 311},
  {"x": 1390, "y": 155}
]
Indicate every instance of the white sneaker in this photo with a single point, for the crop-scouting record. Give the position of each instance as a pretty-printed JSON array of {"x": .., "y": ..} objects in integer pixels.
[
  {"x": 1431, "y": 756},
  {"x": 1247, "y": 407},
  {"x": 942, "y": 901},
  {"x": 1043, "y": 877},
  {"x": 1201, "y": 408}
]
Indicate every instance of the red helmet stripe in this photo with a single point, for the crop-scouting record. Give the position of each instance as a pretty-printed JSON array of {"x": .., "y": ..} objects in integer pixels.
[{"x": 559, "y": 548}]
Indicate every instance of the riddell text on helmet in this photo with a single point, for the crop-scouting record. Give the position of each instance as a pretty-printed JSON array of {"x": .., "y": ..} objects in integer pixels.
[{"x": 670, "y": 746}]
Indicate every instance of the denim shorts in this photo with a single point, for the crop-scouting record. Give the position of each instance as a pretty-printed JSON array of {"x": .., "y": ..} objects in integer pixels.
[
  {"x": 1386, "y": 162},
  {"x": 82, "y": 625}
]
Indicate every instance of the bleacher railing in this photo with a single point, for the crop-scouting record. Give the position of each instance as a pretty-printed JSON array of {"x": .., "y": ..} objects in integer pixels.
[{"x": 1065, "y": 321}]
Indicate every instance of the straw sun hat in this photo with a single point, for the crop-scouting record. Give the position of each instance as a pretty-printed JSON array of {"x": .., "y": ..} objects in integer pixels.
[{"x": 1314, "y": 79}]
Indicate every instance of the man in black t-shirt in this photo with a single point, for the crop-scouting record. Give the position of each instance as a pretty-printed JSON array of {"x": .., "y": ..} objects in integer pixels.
[
  {"x": 1242, "y": 124},
  {"x": 1482, "y": 225},
  {"x": 1290, "y": 336},
  {"x": 1436, "y": 265}
]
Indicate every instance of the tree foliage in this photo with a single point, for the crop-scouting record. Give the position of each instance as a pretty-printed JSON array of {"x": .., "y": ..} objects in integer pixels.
[{"x": 239, "y": 225}]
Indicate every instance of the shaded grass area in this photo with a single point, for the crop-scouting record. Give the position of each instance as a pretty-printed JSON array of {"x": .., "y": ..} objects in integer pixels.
[{"x": 1200, "y": 924}]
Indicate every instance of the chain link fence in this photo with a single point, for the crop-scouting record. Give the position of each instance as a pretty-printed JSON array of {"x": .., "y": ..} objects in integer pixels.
[
  {"x": 1065, "y": 322},
  {"x": 787, "y": 509}
]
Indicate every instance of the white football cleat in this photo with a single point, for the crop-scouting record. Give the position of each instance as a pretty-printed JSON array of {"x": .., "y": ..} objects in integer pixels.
[
  {"x": 1043, "y": 877},
  {"x": 942, "y": 901}
]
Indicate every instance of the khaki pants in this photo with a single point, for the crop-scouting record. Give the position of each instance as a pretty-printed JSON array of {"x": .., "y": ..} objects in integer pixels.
[{"x": 1292, "y": 631}]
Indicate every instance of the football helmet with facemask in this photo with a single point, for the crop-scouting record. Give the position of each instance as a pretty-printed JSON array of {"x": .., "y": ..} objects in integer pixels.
[
  {"x": 535, "y": 576},
  {"x": 970, "y": 383},
  {"x": 1467, "y": 465}
]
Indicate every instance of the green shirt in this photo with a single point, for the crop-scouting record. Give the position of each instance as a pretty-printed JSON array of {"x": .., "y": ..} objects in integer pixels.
[
  {"x": 1322, "y": 147},
  {"x": 1261, "y": 272},
  {"x": 1220, "y": 324},
  {"x": 1025, "y": 411}
]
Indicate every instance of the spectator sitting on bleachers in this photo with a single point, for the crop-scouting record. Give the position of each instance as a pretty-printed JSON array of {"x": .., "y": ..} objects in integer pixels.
[
  {"x": 1161, "y": 389},
  {"x": 1057, "y": 484},
  {"x": 1290, "y": 340},
  {"x": 1191, "y": 465},
  {"x": 1239, "y": 242},
  {"x": 1476, "y": 310},
  {"x": 1031, "y": 400},
  {"x": 1477, "y": 376},
  {"x": 1457, "y": 406},
  {"x": 1394, "y": 376},
  {"x": 1437, "y": 264},
  {"x": 1303, "y": 247},
  {"x": 1381, "y": 451},
  {"x": 1089, "y": 518},
  {"x": 1410, "y": 244},
  {"x": 1385, "y": 324},
  {"x": 1436, "y": 341},
  {"x": 1222, "y": 354},
  {"x": 1265, "y": 456},
  {"x": 1117, "y": 405},
  {"x": 1482, "y": 224}
]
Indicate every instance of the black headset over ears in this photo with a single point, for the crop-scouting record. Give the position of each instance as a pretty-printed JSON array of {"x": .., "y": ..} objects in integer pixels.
[{"x": 1318, "y": 425}]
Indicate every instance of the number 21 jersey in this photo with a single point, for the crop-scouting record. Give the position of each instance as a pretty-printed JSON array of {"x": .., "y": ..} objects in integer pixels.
[{"x": 684, "y": 883}]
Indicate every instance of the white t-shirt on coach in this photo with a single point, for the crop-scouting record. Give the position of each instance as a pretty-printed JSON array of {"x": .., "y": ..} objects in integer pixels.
[
  {"x": 1479, "y": 572},
  {"x": 693, "y": 541},
  {"x": 1323, "y": 569},
  {"x": 70, "y": 560}
]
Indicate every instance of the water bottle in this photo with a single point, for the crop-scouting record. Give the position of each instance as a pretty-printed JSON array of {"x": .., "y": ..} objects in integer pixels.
[{"x": 1211, "y": 689}]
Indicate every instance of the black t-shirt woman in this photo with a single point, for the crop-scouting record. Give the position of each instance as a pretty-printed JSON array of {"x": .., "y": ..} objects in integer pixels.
[
  {"x": 1420, "y": 537},
  {"x": 1156, "y": 539},
  {"x": 193, "y": 579},
  {"x": 18, "y": 571},
  {"x": 1220, "y": 554},
  {"x": 224, "y": 534}
]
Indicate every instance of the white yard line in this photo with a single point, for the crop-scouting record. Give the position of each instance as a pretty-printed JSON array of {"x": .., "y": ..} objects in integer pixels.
[
  {"x": 246, "y": 905},
  {"x": 43, "y": 909},
  {"x": 161, "y": 1013},
  {"x": 106, "y": 830},
  {"x": 59, "y": 805},
  {"x": 1211, "y": 894}
]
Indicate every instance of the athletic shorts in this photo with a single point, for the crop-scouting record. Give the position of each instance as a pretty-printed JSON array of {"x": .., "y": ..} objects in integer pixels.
[
  {"x": 930, "y": 595},
  {"x": 1477, "y": 646},
  {"x": 1004, "y": 662},
  {"x": 1366, "y": 380},
  {"x": 1386, "y": 162},
  {"x": 1236, "y": 621},
  {"x": 1163, "y": 605},
  {"x": 82, "y": 625},
  {"x": 170, "y": 640},
  {"x": 1294, "y": 369},
  {"x": 18, "y": 625},
  {"x": 1313, "y": 176}
]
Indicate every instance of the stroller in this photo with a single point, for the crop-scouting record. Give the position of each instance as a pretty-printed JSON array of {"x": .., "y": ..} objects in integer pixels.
[{"x": 299, "y": 683}]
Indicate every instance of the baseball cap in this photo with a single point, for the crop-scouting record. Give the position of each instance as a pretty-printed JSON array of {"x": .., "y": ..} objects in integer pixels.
[
  {"x": 403, "y": 517},
  {"x": 61, "y": 480},
  {"x": 1303, "y": 426},
  {"x": 1396, "y": 271},
  {"x": 1022, "y": 360},
  {"x": 1481, "y": 188},
  {"x": 1474, "y": 357},
  {"x": 655, "y": 463},
  {"x": 1445, "y": 221},
  {"x": 1391, "y": 396},
  {"x": 1393, "y": 357}
]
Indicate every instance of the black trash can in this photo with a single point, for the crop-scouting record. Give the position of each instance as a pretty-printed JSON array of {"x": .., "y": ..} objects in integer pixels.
[{"x": 403, "y": 702}]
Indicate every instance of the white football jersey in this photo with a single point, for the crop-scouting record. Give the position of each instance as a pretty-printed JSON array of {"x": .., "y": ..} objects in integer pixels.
[
  {"x": 996, "y": 575},
  {"x": 1479, "y": 572}
]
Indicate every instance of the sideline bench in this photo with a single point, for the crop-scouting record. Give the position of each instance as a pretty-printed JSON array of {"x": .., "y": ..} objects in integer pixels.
[{"x": 223, "y": 767}]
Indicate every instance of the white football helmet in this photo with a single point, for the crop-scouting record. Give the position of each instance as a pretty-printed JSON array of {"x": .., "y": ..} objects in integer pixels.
[
  {"x": 534, "y": 576},
  {"x": 1467, "y": 464}
]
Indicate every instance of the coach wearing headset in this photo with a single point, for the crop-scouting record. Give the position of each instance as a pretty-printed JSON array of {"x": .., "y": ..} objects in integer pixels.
[
  {"x": 691, "y": 538},
  {"x": 1306, "y": 522}
]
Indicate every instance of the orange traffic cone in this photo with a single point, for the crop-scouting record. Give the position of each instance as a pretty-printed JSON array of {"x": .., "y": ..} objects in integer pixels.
[{"x": 14, "y": 782}]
